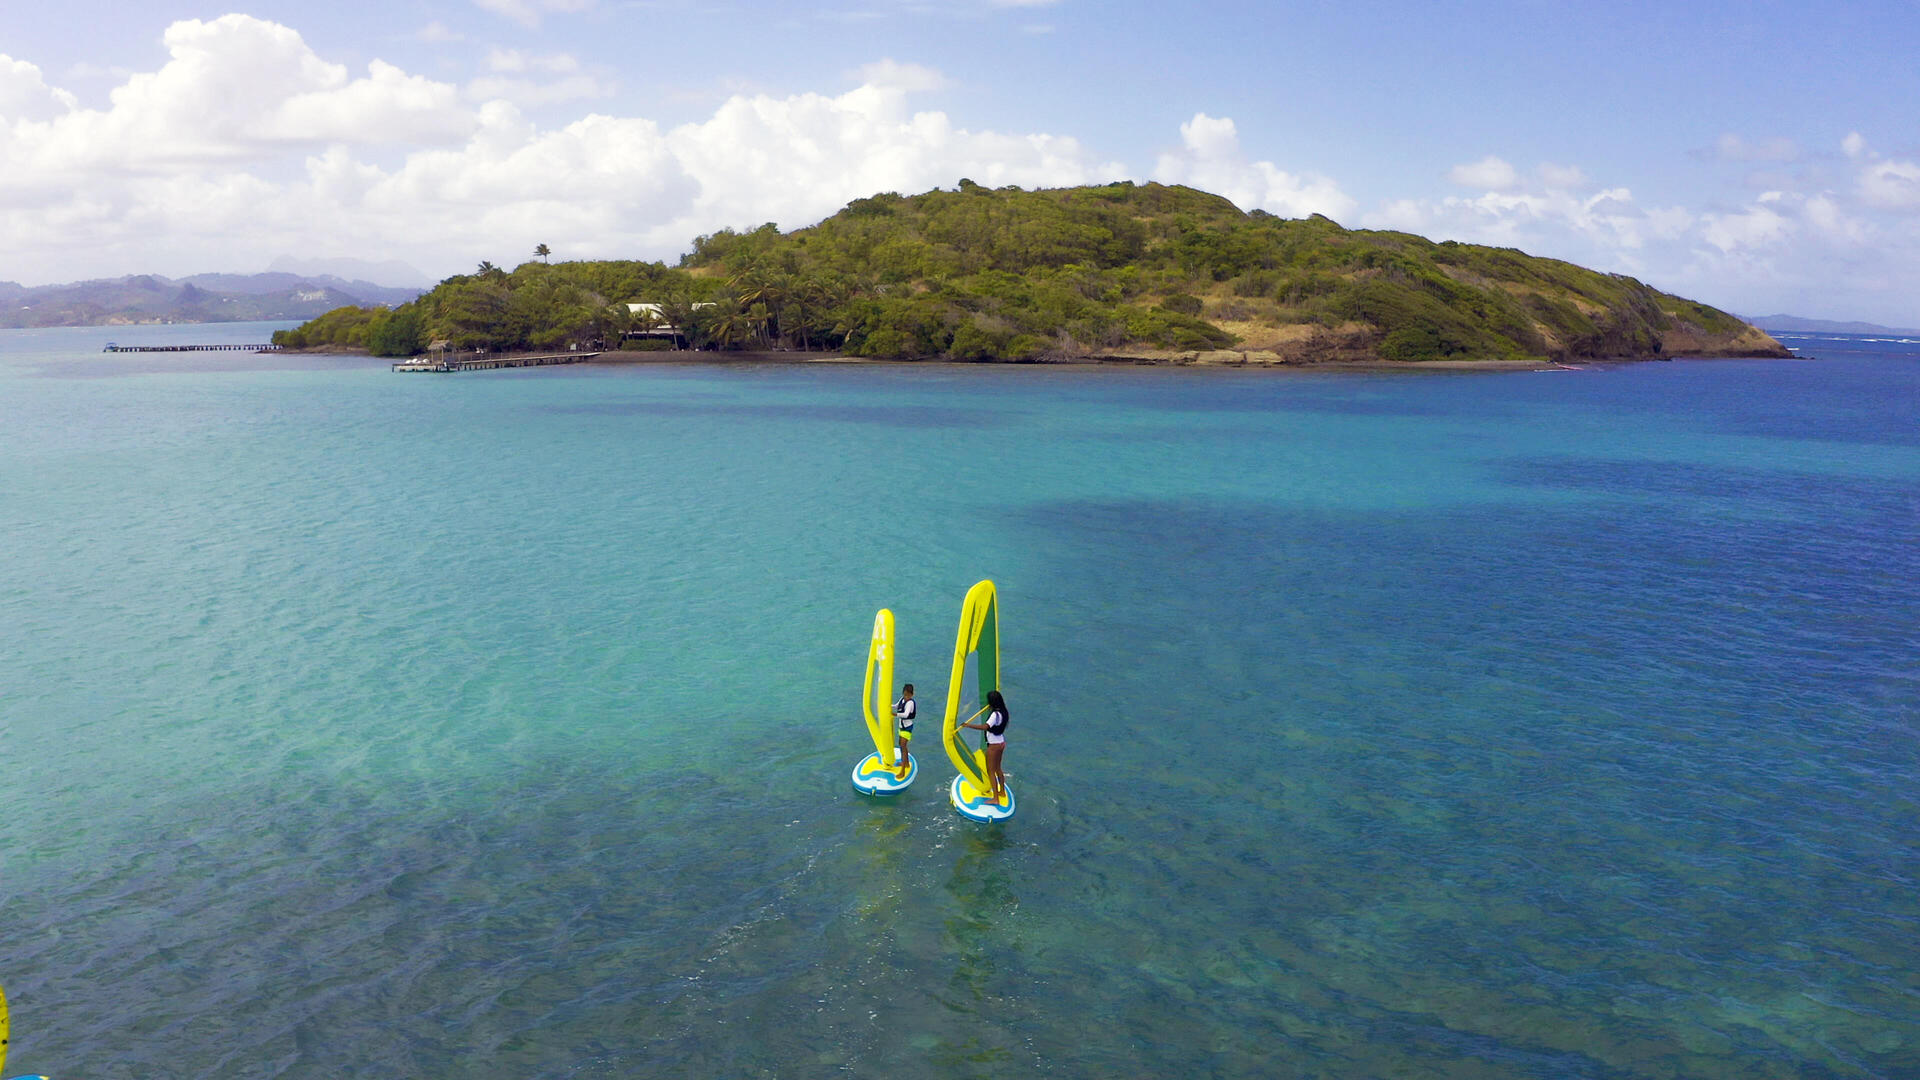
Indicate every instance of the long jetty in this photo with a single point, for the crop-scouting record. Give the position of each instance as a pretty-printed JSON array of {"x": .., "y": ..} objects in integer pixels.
[
  {"x": 112, "y": 347},
  {"x": 490, "y": 363}
]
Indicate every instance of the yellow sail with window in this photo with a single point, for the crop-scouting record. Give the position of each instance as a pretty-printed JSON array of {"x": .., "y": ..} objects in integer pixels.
[
  {"x": 881, "y": 772},
  {"x": 978, "y": 639},
  {"x": 874, "y": 702}
]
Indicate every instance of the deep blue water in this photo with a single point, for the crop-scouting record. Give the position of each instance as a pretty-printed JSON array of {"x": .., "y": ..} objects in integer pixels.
[{"x": 1365, "y": 725}]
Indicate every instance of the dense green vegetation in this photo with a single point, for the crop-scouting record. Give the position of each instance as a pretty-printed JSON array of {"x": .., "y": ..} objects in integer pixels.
[
  {"x": 534, "y": 307},
  {"x": 976, "y": 274}
]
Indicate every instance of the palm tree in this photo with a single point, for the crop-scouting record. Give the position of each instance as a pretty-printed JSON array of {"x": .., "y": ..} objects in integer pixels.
[
  {"x": 611, "y": 322},
  {"x": 795, "y": 317},
  {"x": 486, "y": 267},
  {"x": 766, "y": 293},
  {"x": 543, "y": 251},
  {"x": 678, "y": 312},
  {"x": 761, "y": 319},
  {"x": 732, "y": 328},
  {"x": 752, "y": 285},
  {"x": 813, "y": 298}
]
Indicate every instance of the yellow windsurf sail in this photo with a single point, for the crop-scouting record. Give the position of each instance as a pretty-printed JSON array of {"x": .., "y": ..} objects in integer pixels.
[
  {"x": 979, "y": 638},
  {"x": 873, "y": 698},
  {"x": 3, "y": 1030}
]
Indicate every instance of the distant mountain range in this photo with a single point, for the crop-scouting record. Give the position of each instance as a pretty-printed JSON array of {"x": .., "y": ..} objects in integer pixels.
[
  {"x": 1793, "y": 324},
  {"x": 144, "y": 299},
  {"x": 386, "y": 271}
]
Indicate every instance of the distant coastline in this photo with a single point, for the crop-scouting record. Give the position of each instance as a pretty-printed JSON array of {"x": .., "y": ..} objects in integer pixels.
[
  {"x": 1797, "y": 324},
  {"x": 153, "y": 300}
]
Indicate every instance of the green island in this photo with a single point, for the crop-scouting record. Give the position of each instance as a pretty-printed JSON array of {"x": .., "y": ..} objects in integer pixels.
[{"x": 1144, "y": 272}]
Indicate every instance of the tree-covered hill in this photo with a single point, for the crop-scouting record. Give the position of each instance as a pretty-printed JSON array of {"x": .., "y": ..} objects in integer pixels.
[{"x": 1120, "y": 270}]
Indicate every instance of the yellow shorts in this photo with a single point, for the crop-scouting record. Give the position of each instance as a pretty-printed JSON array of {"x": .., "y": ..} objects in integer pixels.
[{"x": 906, "y": 734}]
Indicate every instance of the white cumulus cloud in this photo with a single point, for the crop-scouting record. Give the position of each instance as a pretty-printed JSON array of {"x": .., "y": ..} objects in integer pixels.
[
  {"x": 1891, "y": 185},
  {"x": 795, "y": 159},
  {"x": 232, "y": 90},
  {"x": 1550, "y": 215},
  {"x": 245, "y": 144},
  {"x": 1827, "y": 217},
  {"x": 1489, "y": 173},
  {"x": 1210, "y": 158},
  {"x": 1759, "y": 226},
  {"x": 25, "y": 95},
  {"x": 1564, "y": 177}
]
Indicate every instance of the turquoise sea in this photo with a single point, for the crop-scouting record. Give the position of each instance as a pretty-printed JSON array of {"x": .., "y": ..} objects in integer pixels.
[{"x": 1536, "y": 725}]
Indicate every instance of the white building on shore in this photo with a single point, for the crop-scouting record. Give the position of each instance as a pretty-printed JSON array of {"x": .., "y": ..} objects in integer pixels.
[{"x": 659, "y": 327}]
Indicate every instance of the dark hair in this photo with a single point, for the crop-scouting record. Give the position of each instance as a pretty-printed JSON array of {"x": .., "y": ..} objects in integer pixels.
[
  {"x": 907, "y": 689},
  {"x": 998, "y": 703}
]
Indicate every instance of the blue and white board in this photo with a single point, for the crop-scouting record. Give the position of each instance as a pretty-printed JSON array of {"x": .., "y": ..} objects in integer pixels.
[
  {"x": 978, "y": 805},
  {"x": 874, "y": 777}
]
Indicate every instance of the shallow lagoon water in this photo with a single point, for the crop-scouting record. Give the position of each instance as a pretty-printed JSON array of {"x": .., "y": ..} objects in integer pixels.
[{"x": 1520, "y": 725}]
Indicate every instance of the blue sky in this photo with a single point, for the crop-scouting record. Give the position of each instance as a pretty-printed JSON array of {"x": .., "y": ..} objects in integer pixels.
[{"x": 1762, "y": 157}]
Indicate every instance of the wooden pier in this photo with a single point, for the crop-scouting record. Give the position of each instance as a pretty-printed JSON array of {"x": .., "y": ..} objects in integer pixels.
[
  {"x": 490, "y": 363},
  {"x": 112, "y": 347}
]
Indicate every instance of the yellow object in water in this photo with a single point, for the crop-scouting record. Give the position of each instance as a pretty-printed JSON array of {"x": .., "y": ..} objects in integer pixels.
[
  {"x": 874, "y": 702},
  {"x": 3, "y": 1030},
  {"x": 979, "y": 637},
  {"x": 880, "y": 773}
]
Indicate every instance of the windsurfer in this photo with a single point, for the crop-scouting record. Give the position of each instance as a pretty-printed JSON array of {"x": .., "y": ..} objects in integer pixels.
[
  {"x": 904, "y": 710},
  {"x": 996, "y": 729}
]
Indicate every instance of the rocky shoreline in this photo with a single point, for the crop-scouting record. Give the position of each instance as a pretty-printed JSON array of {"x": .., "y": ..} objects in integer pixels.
[
  {"x": 1218, "y": 358},
  {"x": 1334, "y": 350},
  {"x": 1207, "y": 359}
]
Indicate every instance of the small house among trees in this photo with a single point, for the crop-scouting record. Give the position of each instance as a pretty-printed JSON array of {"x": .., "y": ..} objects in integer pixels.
[{"x": 662, "y": 321}]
